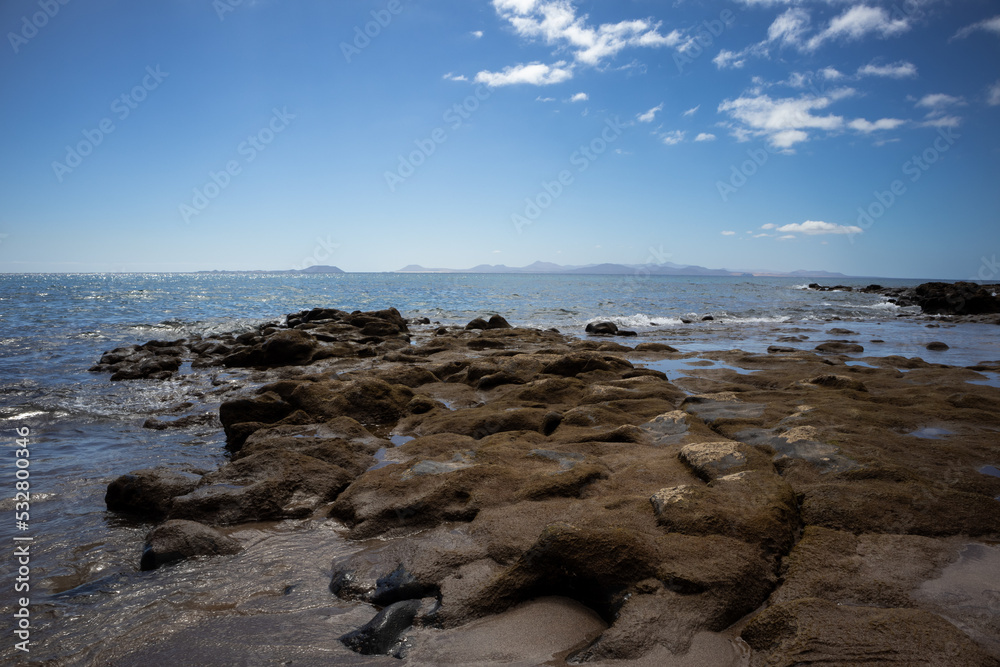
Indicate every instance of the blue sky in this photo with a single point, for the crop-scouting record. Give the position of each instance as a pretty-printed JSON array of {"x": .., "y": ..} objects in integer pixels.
[{"x": 842, "y": 135}]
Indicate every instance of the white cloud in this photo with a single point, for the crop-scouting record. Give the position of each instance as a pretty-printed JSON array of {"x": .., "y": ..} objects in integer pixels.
[
  {"x": 769, "y": 225},
  {"x": 729, "y": 233},
  {"x": 648, "y": 116},
  {"x": 942, "y": 121},
  {"x": 789, "y": 28},
  {"x": 579, "y": 97},
  {"x": 857, "y": 22},
  {"x": 988, "y": 25},
  {"x": 900, "y": 70},
  {"x": 476, "y": 33},
  {"x": 814, "y": 227},
  {"x": 862, "y": 125},
  {"x": 939, "y": 106},
  {"x": 672, "y": 138},
  {"x": 556, "y": 22},
  {"x": 692, "y": 111},
  {"x": 831, "y": 74},
  {"x": 786, "y": 236},
  {"x": 937, "y": 102},
  {"x": 451, "y": 76},
  {"x": 993, "y": 95},
  {"x": 726, "y": 59},
  {"x": 705, "y": 136},
  {"x": 785, "y": 121},
  {"x": 545, "y": 99},
  {"x": 535, "y": 74}
]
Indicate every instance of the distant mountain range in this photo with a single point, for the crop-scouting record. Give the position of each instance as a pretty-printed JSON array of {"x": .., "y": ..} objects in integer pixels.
[
  {"x": 664, "y": 269},
  {"x": 320, "y": 268}
]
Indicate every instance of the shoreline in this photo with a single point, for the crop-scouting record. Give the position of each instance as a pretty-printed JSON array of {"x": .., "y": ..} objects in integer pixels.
[{"x": 500, "y": 465}]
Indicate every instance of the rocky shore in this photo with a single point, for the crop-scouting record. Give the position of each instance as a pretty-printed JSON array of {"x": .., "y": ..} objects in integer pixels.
[
  {"x": 960, "y": 301},
  {"x": 788, "y": 506}
]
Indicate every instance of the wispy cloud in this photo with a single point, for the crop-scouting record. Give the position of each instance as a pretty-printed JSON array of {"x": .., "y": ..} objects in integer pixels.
[
  {"x": 862, "y": 125},
  {"x": 476, "y": 33},
  {"x": 556, "y": 22},
  {"x": 535, "y": 74},
  {"x": 857, "y": 22},
  {"x": 648, "y": 116},
  {"x": 672, "y": 137},
  {"x": 727, "y": 233},
  {"x": 692, "y": 111},
  {"x": 900, "y": 70},
  {"x": 816, "y": 227},
  {"x": 451, "y": 76},
  {"x": 986, "y": 25},
  {"x": 940, "y": 108},
  {"x": 938, "y": 102},
  {"x": 785, "y": 122},
  {"x": 579, "y": 97},
  {"x": 993, "y": 95},
  {"x": 705, "y": 136},
  {"x": 793, "y": 27}
]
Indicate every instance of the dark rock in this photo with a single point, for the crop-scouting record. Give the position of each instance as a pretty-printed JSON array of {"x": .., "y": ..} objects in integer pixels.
[
  {"x": 381, "y": 635},
  {"x": 780, "y": 349},
  {"x": 149, "y": 368},
  {"x": 937, "y": 346},
  {"x": 839, "y": 347},
  {"x": 654, "y": 347},
  {"x": 270, "y": 485},
  {"x": 266, "y": 408},
  {"x": 838, "y": 382},
  {"x": 626, "y": 332},
  {"x": 498, "y": 322},
  {"x": 584, "y": 362},
  {"x": 381, "y": 329},
  {"x": 478, "y": 323},
  {"x": 605, "y": 328},
  {"x": 707, "y": 318},
  {"x": 178, "y": 540},
  {"x": 837, "y": 331},
  {"x": 149, "y": 492},
  {"x": 399, "y": 585}
]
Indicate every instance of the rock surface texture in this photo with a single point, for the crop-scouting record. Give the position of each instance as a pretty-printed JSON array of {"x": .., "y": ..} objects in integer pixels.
[{"x": 498, "y": 465}]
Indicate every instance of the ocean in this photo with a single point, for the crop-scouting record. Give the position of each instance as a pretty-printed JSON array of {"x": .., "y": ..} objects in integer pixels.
[{"x": 85, "y": 590}]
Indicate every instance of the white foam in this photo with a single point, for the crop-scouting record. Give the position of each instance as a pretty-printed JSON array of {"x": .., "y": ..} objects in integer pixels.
[{"x": 27, "y": 415}]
